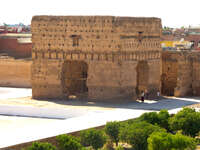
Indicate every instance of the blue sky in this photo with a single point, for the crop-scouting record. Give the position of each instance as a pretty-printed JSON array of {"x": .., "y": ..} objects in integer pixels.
[{"x": 174, "y": 13}]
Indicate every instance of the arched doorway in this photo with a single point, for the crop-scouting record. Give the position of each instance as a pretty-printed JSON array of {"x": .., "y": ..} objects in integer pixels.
[
  {"x": 169, "y": 77},
  {"x": 75, "y": 78},
  {"x": 142, "y": 77},
  {"x": 169, "y": 83}
]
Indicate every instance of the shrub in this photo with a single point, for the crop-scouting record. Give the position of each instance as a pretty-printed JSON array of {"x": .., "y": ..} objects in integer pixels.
[
  {"x": 112, "y": 130},
  {"x": 67, "y": 142},
  {"x": 182, "y": 142},
  {"x": 108, "y": 145},
  {"x": 160, "y": 119},
  {"x": 41, "y": 146},
  {"x": 92, "y": 137},
  {"x": 151, "y": 117},
  {"x": 136, "y": 134},
  {"x": 187, "y": 120},
  {"x": 167, "y": 141},
  {"x": 159, "y": 141},
  {"x": 85, "y": 137},
  {"x": 163, "y": 117},
  {"x": 197, "y": 140},
  {"x": 119, "y": 148}
]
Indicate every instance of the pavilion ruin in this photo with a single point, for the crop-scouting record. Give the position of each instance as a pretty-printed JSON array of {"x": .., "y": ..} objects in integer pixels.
[{"x": 95, "y": 57}]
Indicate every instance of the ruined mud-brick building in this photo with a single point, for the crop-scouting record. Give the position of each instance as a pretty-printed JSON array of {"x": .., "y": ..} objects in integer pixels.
[
  {"x": 181, "y": 73},
  {"x": 98, "y": 57}
]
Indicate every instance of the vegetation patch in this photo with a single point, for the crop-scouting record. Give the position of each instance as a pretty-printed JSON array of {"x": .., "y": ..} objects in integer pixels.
[{"x": 151, "y": 131}]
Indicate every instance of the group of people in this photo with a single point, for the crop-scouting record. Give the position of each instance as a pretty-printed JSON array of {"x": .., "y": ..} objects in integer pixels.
[{"x": 145, "y": 94}]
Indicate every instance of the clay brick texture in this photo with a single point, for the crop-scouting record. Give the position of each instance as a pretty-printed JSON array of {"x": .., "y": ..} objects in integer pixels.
[
  {"x": 181, "y": 73},
  {"x": 95, "y": 57},
  {"x": 15, "y": 72}
]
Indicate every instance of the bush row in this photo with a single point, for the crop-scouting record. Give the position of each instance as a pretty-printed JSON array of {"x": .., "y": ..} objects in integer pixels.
[{"x": 151, "y": 131}]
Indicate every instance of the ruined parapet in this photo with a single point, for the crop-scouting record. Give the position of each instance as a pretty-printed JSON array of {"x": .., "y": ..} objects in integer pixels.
[{"x": 104, "y": 52}]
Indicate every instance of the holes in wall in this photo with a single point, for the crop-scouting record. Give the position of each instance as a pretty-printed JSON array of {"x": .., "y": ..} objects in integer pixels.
[
  {"x": 75, "y": 39},
  {"x": 140, "y": 36}
]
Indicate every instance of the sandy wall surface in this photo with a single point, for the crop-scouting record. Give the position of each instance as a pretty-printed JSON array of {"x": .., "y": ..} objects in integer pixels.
[{"x": 15, "y": 72}]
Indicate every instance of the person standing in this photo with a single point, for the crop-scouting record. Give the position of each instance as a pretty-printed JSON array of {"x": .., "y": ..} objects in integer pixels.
[
  {"x": 158, "y": 94},
  {"x": 142, "y": 96}
]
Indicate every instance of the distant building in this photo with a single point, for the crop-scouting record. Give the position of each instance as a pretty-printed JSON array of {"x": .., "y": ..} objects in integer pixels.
[
  {"x": 178, "y": 39},
  {"x": 16, "y": 28},
  {"x": 195, "y": 39},
  {"x": 16, "y": 45}
]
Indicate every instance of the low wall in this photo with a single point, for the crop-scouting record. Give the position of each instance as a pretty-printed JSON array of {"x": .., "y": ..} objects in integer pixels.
[
  {"x": 15, "y": 49},
  {"x": 15, "y": 72}
]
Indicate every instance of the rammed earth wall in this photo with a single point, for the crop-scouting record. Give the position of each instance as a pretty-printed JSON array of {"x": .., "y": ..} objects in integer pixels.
[{"x": 106, "y": 53}]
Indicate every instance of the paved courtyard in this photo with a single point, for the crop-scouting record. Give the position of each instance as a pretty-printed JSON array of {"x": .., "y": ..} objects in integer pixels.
[{"x": 23, "y": 119}]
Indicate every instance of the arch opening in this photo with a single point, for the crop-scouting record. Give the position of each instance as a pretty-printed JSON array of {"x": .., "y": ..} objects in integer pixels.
[
  {"x": 142, "y": 70},
  {"x": 75, "y": 79}
]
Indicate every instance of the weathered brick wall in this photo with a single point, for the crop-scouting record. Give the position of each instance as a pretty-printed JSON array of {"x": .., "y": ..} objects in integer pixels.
[
  {"x": 196, "y": 74},
  {"x": 180, "y": 72},
  {"x": 169, "y": 73},
  {"x": 46, "y": 79},
  {"x": 111, "y": 47},
  {"x": 13, "y": 48},
  {"x": 108, "y": 80},
  {"x": 15, "y": 73}
]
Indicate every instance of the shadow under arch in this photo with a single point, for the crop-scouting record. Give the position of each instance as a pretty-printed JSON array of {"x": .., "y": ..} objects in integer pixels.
[
  {"x": 142, "y": 70},
  {"x": 74, "y": 78}
]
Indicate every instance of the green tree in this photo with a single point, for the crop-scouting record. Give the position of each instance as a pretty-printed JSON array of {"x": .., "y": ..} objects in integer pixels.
[
  {"x": 93, "y": 137},
  {"x": 159, "y": 141},
  {"x": 41, "y": 146},
  {"x": 151, "y": 117},
  {"x": 137, "y": 133},
  {"x": 163, "y": 117},
  {"x": 182, "y": 142},
  {"x": 112, "y": 130},
  {"x": 67, "y": 142},
  {"x": 186, "y": 120},
  {"x": 167, "y": 141},
  {"x": 160, "y": 119}
]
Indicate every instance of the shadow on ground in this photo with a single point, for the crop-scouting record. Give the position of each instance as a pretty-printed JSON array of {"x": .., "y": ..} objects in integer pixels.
[{"x": 168, "y": 103}]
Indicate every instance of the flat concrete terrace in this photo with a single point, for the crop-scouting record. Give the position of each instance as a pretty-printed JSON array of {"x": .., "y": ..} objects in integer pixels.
[{"x": 24, "y": 120}]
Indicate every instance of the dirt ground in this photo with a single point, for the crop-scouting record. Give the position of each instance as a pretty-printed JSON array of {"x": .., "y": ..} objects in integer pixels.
[{"x": 73, "y": 103}]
